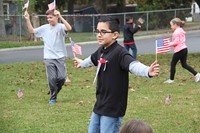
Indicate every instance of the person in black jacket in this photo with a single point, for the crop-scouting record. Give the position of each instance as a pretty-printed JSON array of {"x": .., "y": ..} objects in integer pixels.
[
  {"x": 129, "y": 30},
  {"x": 113, "y": 63}
]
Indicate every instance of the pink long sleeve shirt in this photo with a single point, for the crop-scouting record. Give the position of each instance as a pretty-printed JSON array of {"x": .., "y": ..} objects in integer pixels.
[{"x": 178, "y": 40}]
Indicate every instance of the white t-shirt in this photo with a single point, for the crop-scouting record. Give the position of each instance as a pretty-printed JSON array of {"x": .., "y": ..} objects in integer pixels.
[{"x": 54, "y": 40}]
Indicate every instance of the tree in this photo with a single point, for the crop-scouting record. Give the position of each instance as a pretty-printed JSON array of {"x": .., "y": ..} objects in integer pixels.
[
  {"x": 100, "y": 6},
  {"x": 2, "y": 25},
  {"x": 70, "y": 6},
  {"x": 162, "y": 5}
]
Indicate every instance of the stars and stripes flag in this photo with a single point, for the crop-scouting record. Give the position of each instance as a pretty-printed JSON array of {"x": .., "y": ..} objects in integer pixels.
[
  {"x": 19, "y": 93},
  {"x": 52, "y": 5},
  {"x": 162, "y": 45},
  {"x": 26, "y": 5},
  {"x": 75, "y": 48},
  {"x": 141, "y": 21}
]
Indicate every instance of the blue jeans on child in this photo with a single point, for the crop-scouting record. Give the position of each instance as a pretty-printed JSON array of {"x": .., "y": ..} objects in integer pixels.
[
  {"x": 104, "y": 124},
  {"x": 133, "y": 48}
]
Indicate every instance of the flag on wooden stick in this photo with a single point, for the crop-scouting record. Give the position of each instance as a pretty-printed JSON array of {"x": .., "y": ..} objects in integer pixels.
[
  {"x": 26, "y": 5},
  {"x": 162, "y": 45},
  {"x": 52, "y": 5},
  {"x": 75, "y": 48}
]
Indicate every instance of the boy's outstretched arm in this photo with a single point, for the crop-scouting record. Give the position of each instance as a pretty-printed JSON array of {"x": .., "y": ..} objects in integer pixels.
[
  {"x": 83, "y": 63},
  {"x": 140, "y": 69},
  {"x": 28, "y": 22}
]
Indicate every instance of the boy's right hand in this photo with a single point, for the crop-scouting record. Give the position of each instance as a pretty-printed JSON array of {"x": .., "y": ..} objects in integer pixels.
[
  {"x": 77, "y": 62},
  {"x": 26, "y": 15},
  {"x": 154, "y": 69}
]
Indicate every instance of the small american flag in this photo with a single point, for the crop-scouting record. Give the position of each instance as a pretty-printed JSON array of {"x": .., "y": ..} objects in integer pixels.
[
  {"x": 26, "y": 5},
  {"x": 75, "y": 48},
  {"x": 167, "y": 100},
  {"x": 20, "y": 94},
  {"x": 52, "y": 5},
  {"x": 162, "y": 45},
  {"x": 141, "y": 21}
]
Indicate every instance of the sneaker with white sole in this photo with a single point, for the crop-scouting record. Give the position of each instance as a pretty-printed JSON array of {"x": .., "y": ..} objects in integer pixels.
[
  {"x": 67, "y": 80},
  {"x": 197, "y": 77},
  {"x": 169, "y": 81},
  {"x": 52, "y": 102}
]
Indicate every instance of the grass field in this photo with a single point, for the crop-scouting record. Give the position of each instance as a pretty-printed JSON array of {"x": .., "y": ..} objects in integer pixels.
[{"x": 71, "y": 113}]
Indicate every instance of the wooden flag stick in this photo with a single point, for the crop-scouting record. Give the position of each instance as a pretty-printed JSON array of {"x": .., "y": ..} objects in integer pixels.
[{"x": 156, "y": 50}]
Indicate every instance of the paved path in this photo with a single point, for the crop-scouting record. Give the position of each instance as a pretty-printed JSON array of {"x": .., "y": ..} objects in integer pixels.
[{"x": 145, "y": 45}]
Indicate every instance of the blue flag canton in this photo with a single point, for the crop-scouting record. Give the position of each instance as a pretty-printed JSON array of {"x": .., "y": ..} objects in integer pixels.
[
  {"x": 72, "y": 43},
  {"x": 160, "y": 42}
]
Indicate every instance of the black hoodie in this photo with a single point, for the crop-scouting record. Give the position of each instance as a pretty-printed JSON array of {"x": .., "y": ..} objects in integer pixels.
[
  {"x": 128, "y": 33},
  {"x": 113, "y": 79}
]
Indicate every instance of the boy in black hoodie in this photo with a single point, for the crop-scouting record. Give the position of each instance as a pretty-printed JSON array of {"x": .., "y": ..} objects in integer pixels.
[{"x": 113, "y": 66}]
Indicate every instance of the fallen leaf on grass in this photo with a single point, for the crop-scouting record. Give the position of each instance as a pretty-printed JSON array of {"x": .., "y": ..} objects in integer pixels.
[
  {"x": 80, "y": 103},
  {"x": 133, "y": 90},
  {"x": 145, "y": 97}
]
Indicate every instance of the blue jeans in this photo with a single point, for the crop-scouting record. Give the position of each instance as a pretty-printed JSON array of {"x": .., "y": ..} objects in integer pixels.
[
  {"x": 104, "y": 124},
  {"x": 133, "y": 48}
]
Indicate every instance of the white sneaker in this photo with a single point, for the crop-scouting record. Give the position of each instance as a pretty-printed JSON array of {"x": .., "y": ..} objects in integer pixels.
[
  {"x": 197, "y": 77},
  {"x": 169, "y": 81},
  {"x": 67, "y": 80}
]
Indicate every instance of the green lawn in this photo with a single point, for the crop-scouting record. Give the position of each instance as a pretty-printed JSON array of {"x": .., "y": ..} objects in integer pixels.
[{"x": 71, "y": 113}]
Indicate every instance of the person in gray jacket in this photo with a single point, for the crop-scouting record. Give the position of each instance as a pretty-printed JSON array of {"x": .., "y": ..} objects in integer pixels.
[{"x": 113, "y": 66}]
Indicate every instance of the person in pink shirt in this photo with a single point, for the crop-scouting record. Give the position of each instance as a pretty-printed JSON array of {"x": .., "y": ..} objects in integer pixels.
[{"x": 180, "y": 50}]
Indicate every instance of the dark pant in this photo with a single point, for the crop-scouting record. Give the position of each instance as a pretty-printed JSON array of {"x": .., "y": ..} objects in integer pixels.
[
  {"x": 56, "y": 73},
  {"x": 182, "y": 56},
  {"x": 133, "y": 48}
]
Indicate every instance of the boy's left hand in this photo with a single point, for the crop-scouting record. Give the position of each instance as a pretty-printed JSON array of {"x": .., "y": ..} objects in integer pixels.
[
  {"x": 154, "y": 69},
  {"x": 57, "y": 13}
]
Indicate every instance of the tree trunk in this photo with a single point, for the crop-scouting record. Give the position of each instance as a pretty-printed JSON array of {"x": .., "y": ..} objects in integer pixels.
[
  {"x": 101, "y": 6},
  {"x": 71, "y": 7},
  {"x": 2, "y": 24}
]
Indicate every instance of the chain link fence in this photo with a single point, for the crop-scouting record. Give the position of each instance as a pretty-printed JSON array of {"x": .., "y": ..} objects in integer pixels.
[{"x": 16, "y": 29}]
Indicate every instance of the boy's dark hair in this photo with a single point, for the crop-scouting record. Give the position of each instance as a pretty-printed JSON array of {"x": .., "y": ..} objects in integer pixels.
[
  {"x": 113, "y": 23},
  {"x": 128, "y": 18},
  {"x": 136, "y": 126},
  {"x": 50, "y": 12}
]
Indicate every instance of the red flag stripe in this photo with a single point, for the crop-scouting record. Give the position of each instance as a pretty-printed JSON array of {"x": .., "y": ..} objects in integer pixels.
[{"x": 76, "y": 49}]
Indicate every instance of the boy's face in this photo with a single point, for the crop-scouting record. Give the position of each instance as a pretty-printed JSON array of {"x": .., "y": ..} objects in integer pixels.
[
  {"x": 105, "y": 36},
  {"x": 130, "y": 20},
  {"x": 52, "y": 19}
]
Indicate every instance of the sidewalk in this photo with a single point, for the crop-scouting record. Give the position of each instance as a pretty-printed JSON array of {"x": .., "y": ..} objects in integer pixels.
[
  {"x": 139, "y": 35},
  {"x": 153, "y": 34}
]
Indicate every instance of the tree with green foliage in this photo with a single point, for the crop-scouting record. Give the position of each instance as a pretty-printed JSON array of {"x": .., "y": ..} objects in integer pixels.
[
  {"x": 40, "y": 6},
  {"x": 144, "y": 5}
]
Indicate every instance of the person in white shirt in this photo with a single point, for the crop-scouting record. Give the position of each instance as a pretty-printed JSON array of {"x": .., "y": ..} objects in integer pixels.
[{"x": 53, "y": 35}]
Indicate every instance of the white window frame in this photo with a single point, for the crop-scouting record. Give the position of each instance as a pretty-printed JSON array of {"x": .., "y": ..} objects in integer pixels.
[{"x": 6, "y": 16}]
